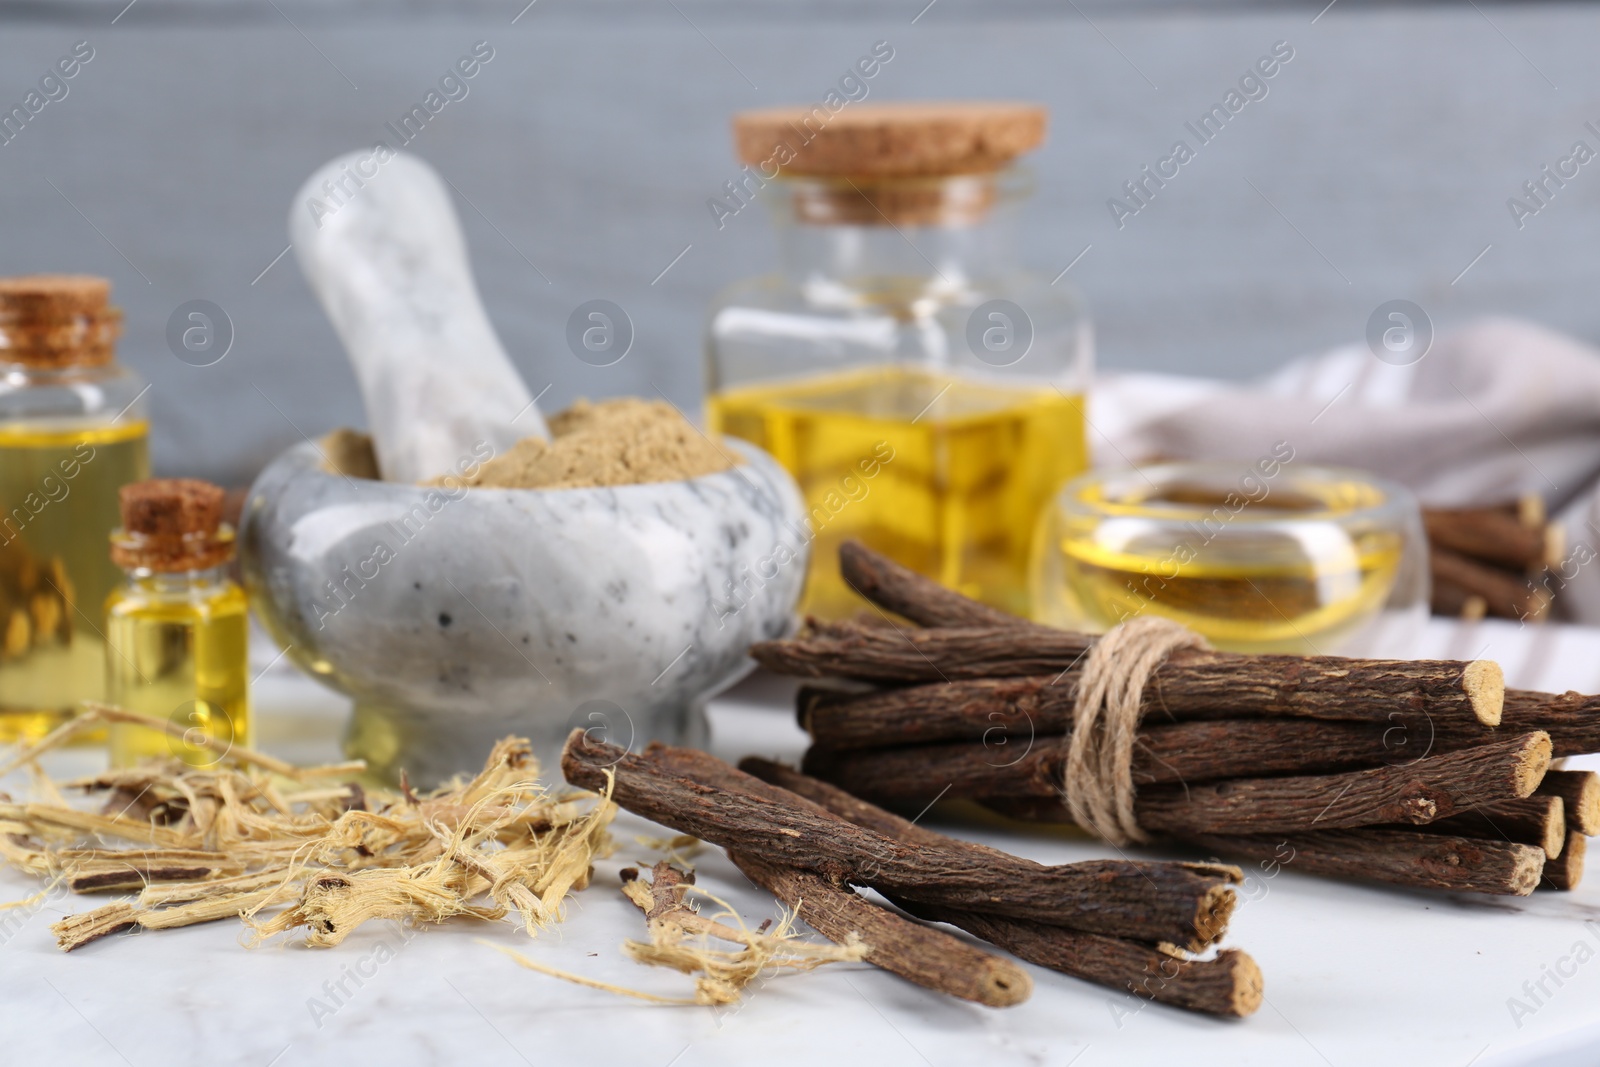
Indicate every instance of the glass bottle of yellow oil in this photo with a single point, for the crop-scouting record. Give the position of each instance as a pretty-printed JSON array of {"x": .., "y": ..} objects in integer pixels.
[
  {"x": 73, "y": 431},
  {"x": 177, "y": 629},
  {"x": 923, "y": 388}
]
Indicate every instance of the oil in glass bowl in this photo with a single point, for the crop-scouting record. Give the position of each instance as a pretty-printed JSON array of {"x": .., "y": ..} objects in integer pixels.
[{"x": 1299, "y": 561}]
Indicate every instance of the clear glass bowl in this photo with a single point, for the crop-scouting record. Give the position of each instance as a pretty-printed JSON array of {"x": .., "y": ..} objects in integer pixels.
[{"x": 1257, "y": 558}]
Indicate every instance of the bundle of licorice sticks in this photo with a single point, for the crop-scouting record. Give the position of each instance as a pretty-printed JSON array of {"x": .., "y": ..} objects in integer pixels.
[
  {"x": 1421, "y": 773},
  {"x": 1506, "y": 561}
]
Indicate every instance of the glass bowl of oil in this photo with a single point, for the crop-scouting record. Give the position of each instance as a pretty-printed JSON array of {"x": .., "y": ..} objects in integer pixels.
[{"x": 1259, "y": 557}]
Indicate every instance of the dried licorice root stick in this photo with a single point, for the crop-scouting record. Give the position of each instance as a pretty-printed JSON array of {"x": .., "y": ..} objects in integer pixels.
[
  {"x": 921, "y": 954},
  {"x": 1497, "y": 535},
  {"x": 897, "y": 655},
  {"x": 989, "y": 709},
  {"x": 921, "y": 773},
  {"x": 1186, "y": 906},
  {"x": 1566, "y": 870},
  {"x": 1418, "y": 792},
  {"x": 1431, "y": 788},
  {"x": 1031, "y": 765},
  {"x": 708, "y": 770},
  {"x": 926, "y": 602},
  {"x": 1453, "y": 601},
  {"x": 1230, "y": 984},
  {"x": 1580, "y": 794},
  {"x": 1571, "y": 719},
  {"x": 1190, "y": 684},
  {"x": 1399, "y": 857},
  {"x": 905, "y": 592},
  {"x": 1505, "y": 594},
  {"x": 1537, "y": 820}
]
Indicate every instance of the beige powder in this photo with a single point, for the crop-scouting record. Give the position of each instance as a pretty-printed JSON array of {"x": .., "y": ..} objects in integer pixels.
[{"x": 627, "y": 441}]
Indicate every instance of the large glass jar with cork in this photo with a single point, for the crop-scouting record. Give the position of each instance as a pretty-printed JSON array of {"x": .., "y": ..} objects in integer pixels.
[
  {"x": 923, "y": 387},
  {"x": 73, "y": 430}
]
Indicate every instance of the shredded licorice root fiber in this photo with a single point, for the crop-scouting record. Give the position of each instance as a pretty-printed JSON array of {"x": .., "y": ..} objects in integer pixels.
[
  {"x": 282, "y": 848},
  {"x": 683, "y": 939}
]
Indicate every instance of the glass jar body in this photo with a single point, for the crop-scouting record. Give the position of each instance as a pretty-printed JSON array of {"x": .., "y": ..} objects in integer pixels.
[
  {"x": 924, "y": 389},
  {"x": 70, "y": 438},
  {"x": 178, "y": 650}
]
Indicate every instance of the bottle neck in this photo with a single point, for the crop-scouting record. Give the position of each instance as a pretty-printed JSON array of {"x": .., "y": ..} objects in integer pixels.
[
  {"x": 31, "y": 376},
  {"x": 896, "y": 242},
  {"x": 178, "y": 585}
]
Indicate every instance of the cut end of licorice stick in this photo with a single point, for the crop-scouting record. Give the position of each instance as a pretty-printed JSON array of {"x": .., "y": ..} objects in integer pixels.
[
  {"x": 1566, "y": 871},
  {"x": 1551, "y": 831},
  {"x": 1580, "y": 793},
  {"x": 1584, "y": 806},
  {"x": 1248, "y": 984},
  {"x": 1529, "y": 868},
  {"x": 1533, "y": 760},
  {"x": 1003, "y": 984},
  {"x": 1485, "y": 685},
  {"x": 1211, "y": 917}
]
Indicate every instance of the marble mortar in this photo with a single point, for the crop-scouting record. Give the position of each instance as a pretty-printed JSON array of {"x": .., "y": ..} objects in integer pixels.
[{"x": 456, "y": 617}]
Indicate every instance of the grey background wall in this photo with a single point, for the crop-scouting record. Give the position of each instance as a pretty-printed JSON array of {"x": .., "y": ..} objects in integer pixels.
[{"x": 1378, "y": 166}]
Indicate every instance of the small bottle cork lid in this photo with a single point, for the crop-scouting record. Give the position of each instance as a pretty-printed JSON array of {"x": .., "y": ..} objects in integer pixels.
[
  {"x": 54, "y": 295},
  {"x": 909, "y": 140},
  {"x": 57, "y": 320},
  {"x": 172, "y": 524}
]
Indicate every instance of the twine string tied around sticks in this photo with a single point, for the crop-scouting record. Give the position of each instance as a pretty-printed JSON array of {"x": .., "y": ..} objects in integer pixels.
[{"x": 1098, "y": 782}]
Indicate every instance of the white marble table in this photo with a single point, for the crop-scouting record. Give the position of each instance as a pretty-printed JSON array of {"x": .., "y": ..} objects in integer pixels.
[{"x": 1355, "y": 975}]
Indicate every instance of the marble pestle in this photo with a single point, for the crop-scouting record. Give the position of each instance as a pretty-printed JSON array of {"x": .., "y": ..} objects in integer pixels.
[{"x": 381, "y": 247}]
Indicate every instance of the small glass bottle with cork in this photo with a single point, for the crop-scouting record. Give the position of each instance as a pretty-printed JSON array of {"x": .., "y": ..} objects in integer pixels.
[
  {"x": 73, "y": 430},
  {"x": 924, "y": 389},
  {"x": 177, "y": 629}
]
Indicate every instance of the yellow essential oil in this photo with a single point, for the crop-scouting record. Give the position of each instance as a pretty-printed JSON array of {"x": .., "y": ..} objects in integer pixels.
[
  {"x": 178, "y": 629},
  {"x": 72, "y": 432},
  {"x": 1252, "y": 585},
  {"x": 180, "y": 655},
  {"x": 58, "y": 504},
  {"x": 945, "y": 474}
]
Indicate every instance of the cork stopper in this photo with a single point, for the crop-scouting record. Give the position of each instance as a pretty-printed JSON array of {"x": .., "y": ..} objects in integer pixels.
[
  {"x": 913, "y": 140},
  {"x": 172, "y": 524},
  {"x": 57, "y": 320}
]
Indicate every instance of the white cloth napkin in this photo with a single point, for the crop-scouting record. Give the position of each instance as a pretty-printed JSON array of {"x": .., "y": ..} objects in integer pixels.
[{"x": 1495, "y": 410}]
